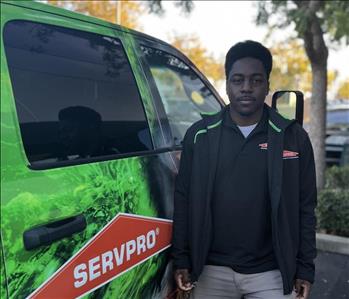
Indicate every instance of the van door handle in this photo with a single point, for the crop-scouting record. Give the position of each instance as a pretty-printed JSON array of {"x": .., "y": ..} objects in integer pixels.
[{"x": 51, "y": 232}]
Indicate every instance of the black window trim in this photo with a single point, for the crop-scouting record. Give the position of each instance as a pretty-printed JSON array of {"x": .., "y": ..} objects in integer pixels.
[
  {"x": 61, "y": 164},
  {"x": 156, "y": 98}
]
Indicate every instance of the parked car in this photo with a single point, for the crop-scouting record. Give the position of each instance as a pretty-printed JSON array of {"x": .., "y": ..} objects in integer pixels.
[
  {"x": 92, "y": 119},
  {"x": 337, "y": 137}
]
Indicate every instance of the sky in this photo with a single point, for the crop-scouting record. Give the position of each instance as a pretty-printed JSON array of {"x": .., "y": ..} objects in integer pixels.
[{"x": 220, "y": 24}]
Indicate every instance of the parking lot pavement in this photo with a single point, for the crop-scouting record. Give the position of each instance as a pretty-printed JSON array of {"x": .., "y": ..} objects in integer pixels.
[{"x": 332, "y": 276}]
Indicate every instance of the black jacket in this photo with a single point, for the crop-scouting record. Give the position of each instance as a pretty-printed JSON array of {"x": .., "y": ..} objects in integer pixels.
[{"x": 292, "y": 187}]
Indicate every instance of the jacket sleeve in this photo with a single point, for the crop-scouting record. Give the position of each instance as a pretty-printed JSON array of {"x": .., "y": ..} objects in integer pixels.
[
  {"x": 180, "y": 250},
  {"x": 308, "y": 199}
]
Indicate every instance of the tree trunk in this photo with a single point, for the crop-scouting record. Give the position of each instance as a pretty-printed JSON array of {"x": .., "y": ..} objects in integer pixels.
[
  {"x": 317, "y": 53},
  {"x": 318, "y": 120}
]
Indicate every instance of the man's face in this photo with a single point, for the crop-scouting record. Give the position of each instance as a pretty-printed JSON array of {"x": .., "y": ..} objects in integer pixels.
[{"x": 247, "y": 86}]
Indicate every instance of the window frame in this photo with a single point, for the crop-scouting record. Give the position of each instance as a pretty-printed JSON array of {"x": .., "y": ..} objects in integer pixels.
[
  {"x": 116, "y": 156},
  {"x": 168, "y": 49}
]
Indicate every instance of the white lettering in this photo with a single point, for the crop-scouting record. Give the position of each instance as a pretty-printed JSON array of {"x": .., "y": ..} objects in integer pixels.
[
  {"x": 93, "y": 266},
  {"x": 151, "y": 239},
  {"x": 119, "y": 258},
  {"x": 107, "y": 261},
  {"x": 80, "y": 275},
  {"x": 130, "y": 248},
  {"x": 141, "y": 244}
]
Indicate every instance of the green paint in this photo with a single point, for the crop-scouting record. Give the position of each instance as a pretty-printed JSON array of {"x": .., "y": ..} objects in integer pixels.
[
  {"x": 98, "y": 190},
  {"x": 274, "y": 126},
  {"x": 3, "y": 286}
]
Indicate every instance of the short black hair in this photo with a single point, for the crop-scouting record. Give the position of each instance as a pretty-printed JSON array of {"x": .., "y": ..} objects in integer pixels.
[{"x": 248, "y": 48}]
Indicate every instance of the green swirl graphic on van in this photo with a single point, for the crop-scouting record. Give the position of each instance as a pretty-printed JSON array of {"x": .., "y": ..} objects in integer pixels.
[{"x": 99, "y": 191}]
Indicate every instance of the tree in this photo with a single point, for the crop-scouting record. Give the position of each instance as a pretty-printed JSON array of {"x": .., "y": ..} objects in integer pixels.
[
  {"x": 312, "y": 19},
  {"x": 192, "y": 47},
  {"x": 123, "y": 12},
  {"x": 291, "y": 70},
  {"x": 343, "y": 90},
  {"x": 155, "y": 6}
]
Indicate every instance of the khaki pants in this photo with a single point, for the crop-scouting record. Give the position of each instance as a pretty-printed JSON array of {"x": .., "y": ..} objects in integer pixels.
[{"x": 223, "y": 282}]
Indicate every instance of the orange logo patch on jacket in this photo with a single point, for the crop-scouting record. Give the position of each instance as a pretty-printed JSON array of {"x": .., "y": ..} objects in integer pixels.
[
  {"x": 290, "y": 155},
  {"x": 263, "y": 146},
  {"x": 286, "y": 154}
]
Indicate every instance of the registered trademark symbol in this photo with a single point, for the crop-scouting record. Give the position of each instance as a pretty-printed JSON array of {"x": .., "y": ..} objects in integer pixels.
[{"x": 157, "y": 230}]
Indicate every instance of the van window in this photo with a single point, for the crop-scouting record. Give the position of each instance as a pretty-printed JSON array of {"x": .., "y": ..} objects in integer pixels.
[
  {"x": 183, "y": 93},
  {"x": 75, "y": 94}
]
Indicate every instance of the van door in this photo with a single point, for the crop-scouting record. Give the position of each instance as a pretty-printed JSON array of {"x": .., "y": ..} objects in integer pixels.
[{"x": 79, "y": 201}]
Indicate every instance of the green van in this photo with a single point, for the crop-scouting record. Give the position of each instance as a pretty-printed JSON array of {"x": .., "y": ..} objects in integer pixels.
[{"x": 92, "y": 120}]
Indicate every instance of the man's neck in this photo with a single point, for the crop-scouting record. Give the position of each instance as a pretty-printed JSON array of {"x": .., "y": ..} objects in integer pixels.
[{"x": 245, "y": 120}]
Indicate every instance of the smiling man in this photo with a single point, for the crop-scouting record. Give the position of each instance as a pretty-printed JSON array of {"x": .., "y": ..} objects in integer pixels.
[{"x": 245, "y": 194}]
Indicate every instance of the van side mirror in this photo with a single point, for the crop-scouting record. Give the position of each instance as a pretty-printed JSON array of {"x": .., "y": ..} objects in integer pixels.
[{"x": 290, "y": 104}]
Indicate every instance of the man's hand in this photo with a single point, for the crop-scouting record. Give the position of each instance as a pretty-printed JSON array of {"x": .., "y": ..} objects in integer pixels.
[
  {"x": 302, "y": 288},
  {"x": 182, "y": 279}
]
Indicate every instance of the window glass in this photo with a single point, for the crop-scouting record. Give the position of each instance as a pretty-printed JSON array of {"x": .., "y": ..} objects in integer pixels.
[
  {"x": 75, "y": 94},
  {"x": 183, "y": 93}
]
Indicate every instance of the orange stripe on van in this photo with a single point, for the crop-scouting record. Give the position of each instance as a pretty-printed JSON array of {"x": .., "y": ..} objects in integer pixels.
[{"x": 125, "y": 242}]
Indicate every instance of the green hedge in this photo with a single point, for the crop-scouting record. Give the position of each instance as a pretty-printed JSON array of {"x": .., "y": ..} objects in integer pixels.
[{"x": 333, "y": 202}]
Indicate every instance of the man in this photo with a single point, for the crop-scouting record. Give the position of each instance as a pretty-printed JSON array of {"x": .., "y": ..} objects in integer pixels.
[{"x": 245, "y": 194}]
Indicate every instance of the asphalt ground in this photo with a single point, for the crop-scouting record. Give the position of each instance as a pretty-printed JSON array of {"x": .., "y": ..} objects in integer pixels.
[{"x": 331, "y": 276}]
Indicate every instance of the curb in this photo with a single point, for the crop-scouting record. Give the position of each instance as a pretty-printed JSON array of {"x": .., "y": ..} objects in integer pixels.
[{"x": 332, "y": 243}]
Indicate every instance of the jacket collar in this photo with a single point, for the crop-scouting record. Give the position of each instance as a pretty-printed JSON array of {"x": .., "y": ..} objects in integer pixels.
[
  {"x": 213, "y": 118},
  {"x": 276, "y": 121}
]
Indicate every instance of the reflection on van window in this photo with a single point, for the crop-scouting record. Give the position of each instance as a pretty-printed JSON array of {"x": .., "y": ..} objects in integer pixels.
[
  {"x": 183, "y": 93},
  {"x": 80, "y": 132},
  {"x": 75, "y": 94}
]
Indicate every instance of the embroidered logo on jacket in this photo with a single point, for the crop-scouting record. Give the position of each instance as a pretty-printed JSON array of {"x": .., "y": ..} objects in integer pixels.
[
  {"x": 285, "y": 154},
  {"x": 263, "y": 146},
  {"x": 290, "y": 155}
]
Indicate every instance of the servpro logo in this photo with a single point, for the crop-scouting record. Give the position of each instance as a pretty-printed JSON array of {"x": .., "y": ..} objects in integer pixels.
[
  {"x": 286, "y": 154},
  {"x": 125, "y": 242},
  {"x": 263, "y": 146},
  {"x": 107, "y": 261},
  {"x": 290, "y": 155}
]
